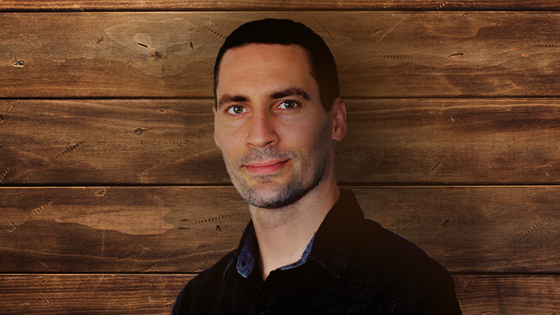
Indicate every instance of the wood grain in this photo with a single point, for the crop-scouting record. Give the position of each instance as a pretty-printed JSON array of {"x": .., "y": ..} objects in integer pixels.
[
  {"x": 127, "y": 141},
  {"x": 181, "y": 229},
  {"x": 450, "y": 141},
  {"x": 277, "y": 5},
  {"x": 123, "y": 98},
  {"x": 397, "y": 141},
  {"x": 90, "y": 294},
  {"x": 107, "y": 229},
  {"x": 155, "y": 294},
  {"x": 508, "y": 294},
  {"x": 379, "y": 54}
]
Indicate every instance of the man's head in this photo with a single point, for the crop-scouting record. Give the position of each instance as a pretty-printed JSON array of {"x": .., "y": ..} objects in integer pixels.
[
  {"x": 287, "y": 32},
  {"x": 275, "y": 134}
]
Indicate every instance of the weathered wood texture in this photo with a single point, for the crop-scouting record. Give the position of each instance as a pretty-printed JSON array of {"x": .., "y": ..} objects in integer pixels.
[
  {"x": 276, "y": 5},
  {"x": 180, "y": 229},
  {"x": 118, "y": 229},
  {"x": 535, "y": 294},
  {"x": 90, "y": 294},
  {"x": 458, "y": 141},
  {"x": 380, "y": 54},
  {"x": 154, "y": 126},
  {"x": 155, "y": 294},
  {"x": 126, "y": 141}
]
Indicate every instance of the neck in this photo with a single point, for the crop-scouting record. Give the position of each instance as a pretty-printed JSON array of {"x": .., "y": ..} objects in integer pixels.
[{"x": 284, "y": 233}]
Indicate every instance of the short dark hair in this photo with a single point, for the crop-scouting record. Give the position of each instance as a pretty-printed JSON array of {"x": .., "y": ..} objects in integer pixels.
[{"x": 288, "y": 32}]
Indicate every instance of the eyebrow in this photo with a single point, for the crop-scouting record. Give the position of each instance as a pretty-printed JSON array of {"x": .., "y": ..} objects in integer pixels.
[
  {"x": 290, "y": 92},
  {"x": 228, "y": 98}
]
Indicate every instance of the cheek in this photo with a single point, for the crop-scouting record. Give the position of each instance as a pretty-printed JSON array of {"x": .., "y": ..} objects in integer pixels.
[
  {"x": 307, "y": 137},
  {"x": 230, "y": 142}
]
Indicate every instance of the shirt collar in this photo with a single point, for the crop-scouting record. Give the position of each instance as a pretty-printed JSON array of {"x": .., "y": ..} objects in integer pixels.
[
  {"x": 330, "y": 246},
  {"x": 337, "y": 234},
  {"x": 246, "y": 260},
  {"x": 249, "y": 251}
]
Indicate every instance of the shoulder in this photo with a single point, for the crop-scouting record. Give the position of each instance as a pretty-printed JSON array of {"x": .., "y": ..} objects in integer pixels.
[
  {"x": 374, "y": 241},
  {"x": 214, "y": 275},
  {"x": 204, "y": 288},
  {"x": 413, "y": 280}
]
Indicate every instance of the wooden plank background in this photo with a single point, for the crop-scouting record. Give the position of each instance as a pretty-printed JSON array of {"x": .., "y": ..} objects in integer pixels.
[
  {"x": 390, "y": 141},
  {"x": 154, "y": 294},
  {"x": 379, "y": 54},
  {"x": 276, "y": 5},
  {"x": 112, "y": 191}
]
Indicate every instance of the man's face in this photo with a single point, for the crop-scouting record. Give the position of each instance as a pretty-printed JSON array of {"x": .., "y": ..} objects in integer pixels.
[{"x": 275, "y": 135}]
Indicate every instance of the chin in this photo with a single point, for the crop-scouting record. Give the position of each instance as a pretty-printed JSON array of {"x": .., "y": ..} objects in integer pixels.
[{"x": 273, "y": 196}]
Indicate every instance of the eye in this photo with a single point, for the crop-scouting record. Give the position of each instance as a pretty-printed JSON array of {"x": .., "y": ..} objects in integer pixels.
[
  {"x": 236, "y": 109},
  {"x": 289, "y": 104}
]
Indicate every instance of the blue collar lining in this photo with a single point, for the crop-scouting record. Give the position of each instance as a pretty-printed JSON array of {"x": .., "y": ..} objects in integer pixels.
[{"x": 246, "y": 261}]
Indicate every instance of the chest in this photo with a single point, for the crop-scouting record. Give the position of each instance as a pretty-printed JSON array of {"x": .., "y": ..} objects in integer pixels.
[{"x": 303, "y": 291}]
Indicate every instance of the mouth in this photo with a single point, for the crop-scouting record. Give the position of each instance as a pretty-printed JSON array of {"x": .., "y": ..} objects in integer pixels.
[{"x": 266, "y": 167}]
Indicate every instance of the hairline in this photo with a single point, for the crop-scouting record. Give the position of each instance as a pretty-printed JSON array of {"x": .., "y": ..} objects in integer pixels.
[{"x": 307, "y": 55}]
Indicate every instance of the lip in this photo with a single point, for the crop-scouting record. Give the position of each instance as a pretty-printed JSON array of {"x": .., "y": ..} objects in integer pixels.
[{"x": 265, "y": 167}]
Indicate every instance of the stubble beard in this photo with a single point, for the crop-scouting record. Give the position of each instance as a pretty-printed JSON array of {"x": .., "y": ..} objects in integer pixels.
[{"x": 264, "y": 193}]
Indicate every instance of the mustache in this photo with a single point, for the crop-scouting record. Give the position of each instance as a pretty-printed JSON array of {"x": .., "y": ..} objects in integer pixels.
[{"x": 268, "y": 153}]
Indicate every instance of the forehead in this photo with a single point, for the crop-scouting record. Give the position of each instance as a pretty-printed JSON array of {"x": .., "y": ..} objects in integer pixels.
[
  {"x": 247, "y": 53},
  {"x": 260, "y": 65}
]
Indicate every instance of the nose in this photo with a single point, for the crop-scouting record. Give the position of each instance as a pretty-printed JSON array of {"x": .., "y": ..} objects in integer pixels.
[{"x": 262, "y": 131}]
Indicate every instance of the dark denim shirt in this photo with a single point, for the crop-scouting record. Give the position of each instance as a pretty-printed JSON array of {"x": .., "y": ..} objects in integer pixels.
[{"x": 351, "y": 266}]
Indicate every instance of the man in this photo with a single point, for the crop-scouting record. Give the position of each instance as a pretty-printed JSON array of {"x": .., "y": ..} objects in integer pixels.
[{"x": 308, "y": 248}]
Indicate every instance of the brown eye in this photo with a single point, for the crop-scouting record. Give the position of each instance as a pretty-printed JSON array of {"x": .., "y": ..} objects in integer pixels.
[
  {"x": 289, "y": 104},
  {"x": 236, "y": 109}
]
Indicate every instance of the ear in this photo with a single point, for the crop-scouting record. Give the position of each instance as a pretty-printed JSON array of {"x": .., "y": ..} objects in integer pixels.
[
  {"x": 339, "y": 119},
  {"x": 215, "y": 119}
]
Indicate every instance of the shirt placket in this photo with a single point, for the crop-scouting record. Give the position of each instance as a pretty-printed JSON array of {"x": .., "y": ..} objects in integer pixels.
[{"x": 263, "y": 302}]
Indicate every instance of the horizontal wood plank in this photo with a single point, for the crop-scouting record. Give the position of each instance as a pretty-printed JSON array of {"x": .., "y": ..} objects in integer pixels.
[
  {"x": 128, "y": 141},
  {"x": 403, "y": 141},
  {"x": 379, "y": 54},
  {"x": 85, "y": 5},
  {"x": 180, "y": 229},
  {"x": 451, "y": 141},
  {"x": 508, "y": 294},
  {"x": 118, "y": 229},
  {"x": 155, "y": 294},
  {"x": 90, "y": 294}
]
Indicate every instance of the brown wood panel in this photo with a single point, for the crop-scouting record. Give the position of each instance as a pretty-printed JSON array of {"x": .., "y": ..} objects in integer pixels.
[
  {"x": 508, "y": 294},
  {"x": 180, "y": 229},
  {"x": 472, "y": 141},
  {"x": 131, "y": 229},
  {"x": 155, "y": 294},
  {"x": 380, "y": 54},
  {"x": 90, "y": 294},
  {"x": 126, "y": 141},
  {"x": 84, "y": 5}
]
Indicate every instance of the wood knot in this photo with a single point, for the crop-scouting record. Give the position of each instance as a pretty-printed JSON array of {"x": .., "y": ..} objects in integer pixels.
[
  {"x": 156, "y": 55},
  {"x": 140, "y": 131},
  {"x": 18, "y": 64}
]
